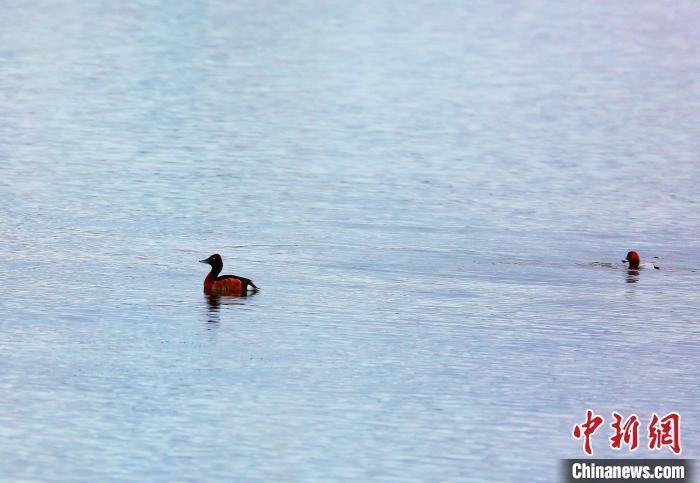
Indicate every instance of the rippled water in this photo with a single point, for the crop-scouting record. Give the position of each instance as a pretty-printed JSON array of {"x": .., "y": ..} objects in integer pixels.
[{"x": 433, "y": 197}]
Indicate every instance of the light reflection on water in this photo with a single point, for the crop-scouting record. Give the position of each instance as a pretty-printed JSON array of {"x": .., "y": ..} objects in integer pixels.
[{"x": 433, "y": 200}]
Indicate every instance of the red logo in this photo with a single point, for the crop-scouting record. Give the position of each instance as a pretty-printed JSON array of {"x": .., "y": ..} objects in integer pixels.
[
  {"x": 662, "y": 432},
  {"x": 665, "y": 432},
  {"x": 627, "y": 433},
  {"x": 587, "y": 429}
]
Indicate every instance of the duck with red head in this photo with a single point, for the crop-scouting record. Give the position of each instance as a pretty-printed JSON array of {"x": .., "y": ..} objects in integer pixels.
[
  {"x": 633, "y": 259},
  {"x": 215, "y": 284},
  {"x": 635, "y": 262}
]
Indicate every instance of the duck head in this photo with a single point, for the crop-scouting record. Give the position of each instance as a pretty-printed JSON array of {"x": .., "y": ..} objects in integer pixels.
[
  {"x": 215, "y": 261},
  {"x": 633, "y": 259}
]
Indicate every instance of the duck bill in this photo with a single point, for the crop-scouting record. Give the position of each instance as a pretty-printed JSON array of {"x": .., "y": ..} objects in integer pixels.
[
  {"x": 625, "y": 261},
  {"x": 206, "y": 260}
]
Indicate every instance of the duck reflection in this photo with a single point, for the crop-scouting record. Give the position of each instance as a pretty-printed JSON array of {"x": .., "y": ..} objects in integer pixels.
[
  {"x": 214, "y": 304},
  {"x": 632, "y": 276},
  {"x": 213, "y": 308}
]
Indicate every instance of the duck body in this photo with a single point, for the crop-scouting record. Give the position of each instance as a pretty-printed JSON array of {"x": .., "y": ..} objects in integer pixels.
[
  {"x": 215, "y": 284},
  {"x": 227, "y": 285},
  {"x": 635, "y": 263}
]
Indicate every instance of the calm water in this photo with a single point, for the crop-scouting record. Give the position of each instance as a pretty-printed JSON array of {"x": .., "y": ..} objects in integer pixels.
[{"x": 433, "y": 197}]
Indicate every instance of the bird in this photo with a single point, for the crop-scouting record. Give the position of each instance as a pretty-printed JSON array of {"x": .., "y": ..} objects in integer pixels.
[
  {"x": 215, "y": 284},
  {"x": 634, "y": 262}
]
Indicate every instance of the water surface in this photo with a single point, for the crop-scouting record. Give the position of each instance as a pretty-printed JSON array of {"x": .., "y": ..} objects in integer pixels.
[{"x": 433, "y": 197}]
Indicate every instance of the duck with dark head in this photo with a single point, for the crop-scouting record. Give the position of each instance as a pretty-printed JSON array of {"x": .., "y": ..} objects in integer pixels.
[{"x": 215, "y": 284}]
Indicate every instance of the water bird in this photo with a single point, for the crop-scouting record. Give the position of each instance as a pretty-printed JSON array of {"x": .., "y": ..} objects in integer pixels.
[
  {"x": 635, "y": 263},
  {"x": 215, "y": 284}
]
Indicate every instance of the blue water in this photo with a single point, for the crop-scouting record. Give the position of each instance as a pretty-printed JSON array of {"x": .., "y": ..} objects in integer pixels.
[{"x": 434, "y": 197}]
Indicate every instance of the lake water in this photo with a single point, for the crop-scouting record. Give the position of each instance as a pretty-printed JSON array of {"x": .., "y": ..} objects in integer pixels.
[{"x": 434, "y": 198}]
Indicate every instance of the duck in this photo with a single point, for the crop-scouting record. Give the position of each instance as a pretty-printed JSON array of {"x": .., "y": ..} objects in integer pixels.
[
  {"x": 215, "y": 284},
  {"x": 635, "y": 263}
]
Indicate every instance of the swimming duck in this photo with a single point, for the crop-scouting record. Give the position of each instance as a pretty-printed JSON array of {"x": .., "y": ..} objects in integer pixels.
[
  {"x": 633, "y": 259},
  {"x": 216, "y": 284}
]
